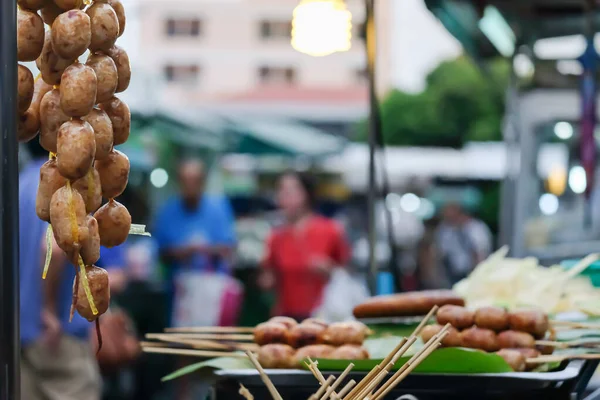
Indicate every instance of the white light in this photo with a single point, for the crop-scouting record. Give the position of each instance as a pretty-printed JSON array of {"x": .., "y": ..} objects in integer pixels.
[
  {"x": 548, "y": 204},
  {"x": 159, "y": 178},
  {"x": 523, "y": 66},
  {"x": 498, "y": 31},
  {"x": 410, "y": 202},
  {"x": 563, "y": 130},
  {"x": 321, "y": 27},
  {"x": 577, "y": 179}
]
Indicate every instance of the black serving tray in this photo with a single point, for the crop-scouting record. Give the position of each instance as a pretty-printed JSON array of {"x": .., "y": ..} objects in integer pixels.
[{"x": 566, "y": 383}]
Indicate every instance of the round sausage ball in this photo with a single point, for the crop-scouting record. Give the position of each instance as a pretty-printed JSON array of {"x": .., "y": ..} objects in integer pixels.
[
  {"x": 457, "y": 316},
  {"x": 51, "y": 66},
  {"x": 270, "y": 332},
  {"x": 90, "y": 249},
  {"x": 120, "y": 116},
  {"x": 32, "y": 5},
  {"x": 50, "y": 181},
  {"x": 106, "y": 74},
  {"x": 530, "y": 321},
  {"x": 76, "y": 148},
  {"x": 513, "y": 358},
  {"x": 90, "y": 189},
  {"x": 515, "y": 339},
  {"x": 78, "y": 90},
  {"x": 287, "y": 321},
  {"x": 494, "y": 318},
  {"x": 66, "y": 203},
  {"x": 98, "y": 281},
  {"x": 114, "y": 223},
  {"x": 313, "y": 352},
  {"x": 24, "y": 88},
  {"x": 105, "y": 26},
  {"x": 121, "y": 59},
  {"x": 50, "y": 12},
  {"x": 452, "y": 339},
  {"x": 71, "y": 34},
  {"x": 276, "y": 355},
  {"x": 340, "y": 333},
  {"x": 482, "y": 339},
  {"x": 120, "y": 10},
  {"x": 349, "y": 352},
  {"x": 51, "y": 118},
  {"x": 114, "y": 173},
  {"x": 304, "y": 335},
  {"x": 30, "y": 35},
  {"x": 103, "y": 132}
]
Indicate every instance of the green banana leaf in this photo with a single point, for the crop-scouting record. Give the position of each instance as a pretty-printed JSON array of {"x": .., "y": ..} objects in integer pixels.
[
  {"x": 449, "y": 361},
  {"x": 213, "y": 363}
]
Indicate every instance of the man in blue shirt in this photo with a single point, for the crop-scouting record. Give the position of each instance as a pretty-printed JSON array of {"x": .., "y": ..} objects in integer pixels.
[
  {"x": 57, "y": 361},
  {"x": 194, "y": 231}
]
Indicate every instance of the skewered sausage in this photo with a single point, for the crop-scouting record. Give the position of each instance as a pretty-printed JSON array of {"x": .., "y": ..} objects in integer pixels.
[
  {"x": 76, "y": 148},
  {"x": 120, "y": 10},
  {"x": 50, "y": 12},
  {"x": 270, "y": 332},
  {"x": 51, "y": 118},
  {"x": 51, "y": 66},
  {"x": 90, "y": 249},
  {"x": 121, "y": 59},
  {"x": 103, "y": 132},
  {"x": 90, "y": 190},
  {"x": 313, "y": 352},
  {"x": 276, "y": 355},
  {"x": 71, "y": 34},
  {"x": 515, "y": 339},
  {"x": 50, "y": 181},
  {"x": 494, "y": 318},
  {"x": 68, "y": 219},
  {"x": 29, "y": 122},
  {"x": 106, "y": 74},
  {"x": 30, "y": 35},
  {"x": 349, "y": 352},
  {"x": 114, "y": 173},
  {"x": 304, "y": 334},
  {"x": 316, "y": 321},
  {"x": 78, "y": 90},
  {"x": 287, "y": 321},
  {"x": 452, "y": 339},
  {"x": 341, "y": 333},
  {"x": 114, "y": 223},
  {"x": 513, "y": 358},
  {"x": 457, "y": 316},
  {"x": 478, "y": 338},
  {"x": 406, "y": 304},
  {"x": 120, "y": 116},
  {"x": 24, "y": 89},
  {"x": 104, "y": 26},
  {"x": 530, "y": 321},
  {"x": 98, "y": 281}
]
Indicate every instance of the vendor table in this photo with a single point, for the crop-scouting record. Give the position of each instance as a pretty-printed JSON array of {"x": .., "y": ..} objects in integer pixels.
[{"x": 568, "y": 383}]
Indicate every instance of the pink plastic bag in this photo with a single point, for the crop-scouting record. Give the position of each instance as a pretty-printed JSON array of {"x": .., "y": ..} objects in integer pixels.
[{"x": 231, "y": 303}]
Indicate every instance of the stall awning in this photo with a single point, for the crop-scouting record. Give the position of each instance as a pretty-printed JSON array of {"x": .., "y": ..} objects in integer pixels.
[{"x": 282, "y": 137}]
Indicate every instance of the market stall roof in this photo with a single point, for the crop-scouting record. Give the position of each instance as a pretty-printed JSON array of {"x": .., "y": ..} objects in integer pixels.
[
  {"x": 260, "y": 136},
  {"x": 477, "y": 25}
]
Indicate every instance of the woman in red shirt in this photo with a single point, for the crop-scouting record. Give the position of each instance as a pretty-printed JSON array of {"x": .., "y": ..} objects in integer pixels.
[{"x": 303, "y": 251}]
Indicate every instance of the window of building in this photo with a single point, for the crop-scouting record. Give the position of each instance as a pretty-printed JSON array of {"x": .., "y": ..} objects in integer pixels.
[
  {"x": 182, "y": 73},
  {"x": 275, "y": 29},
  {"x": 190, "y": 27},
  {"x": 277, "y": 75}
]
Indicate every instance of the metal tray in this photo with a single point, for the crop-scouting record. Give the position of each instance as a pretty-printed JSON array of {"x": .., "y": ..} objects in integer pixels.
[{"x": 567, "y": 383}]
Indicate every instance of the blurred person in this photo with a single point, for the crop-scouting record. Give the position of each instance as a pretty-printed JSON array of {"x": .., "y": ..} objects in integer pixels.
[
  {"x": 196, "y": 239},
  {"x": 462, "y": 242},
  {"x": 303, "y": 251},
  {"x": 57, "y": 361}
]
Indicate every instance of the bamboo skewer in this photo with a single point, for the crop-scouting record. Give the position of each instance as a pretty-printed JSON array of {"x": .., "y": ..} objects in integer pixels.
[
  {"x": 575, "y": 325},
  {"x": 203, "y": 344},
  {"x": 245, "y": 393},
  {"x": 345, "y": 390},
  {"x": 337, "y": 382},
  {"x": 212, "y": 329},
  {"x": 322, "y": 389},
  {"x": 265, "y": 378},
  {"x": 562, "y": 357},
  {"x": 230, "y": 337},
  {"x": 195, "y": 353},
  {"x": 585, "y": 343},
  {"x": 582, "y": 265}
]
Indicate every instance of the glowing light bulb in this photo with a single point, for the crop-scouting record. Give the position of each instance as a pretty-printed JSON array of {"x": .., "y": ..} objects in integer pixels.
[{"x": 321, "y": 27}]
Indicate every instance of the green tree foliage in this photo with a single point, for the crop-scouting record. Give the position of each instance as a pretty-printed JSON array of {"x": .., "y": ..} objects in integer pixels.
[{"x": 462, "y": 102}]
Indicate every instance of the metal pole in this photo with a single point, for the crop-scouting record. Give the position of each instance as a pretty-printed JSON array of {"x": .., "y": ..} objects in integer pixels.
[
  {"x": 9, "y": 206},
  {"x": 370, "y": 44}
]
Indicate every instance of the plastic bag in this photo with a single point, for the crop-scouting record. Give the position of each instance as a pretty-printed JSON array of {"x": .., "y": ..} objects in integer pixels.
[{"x": 341, "y": 295}]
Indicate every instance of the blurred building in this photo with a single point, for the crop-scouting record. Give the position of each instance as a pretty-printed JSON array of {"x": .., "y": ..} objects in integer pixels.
[{"x": 236, "y": 56}]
